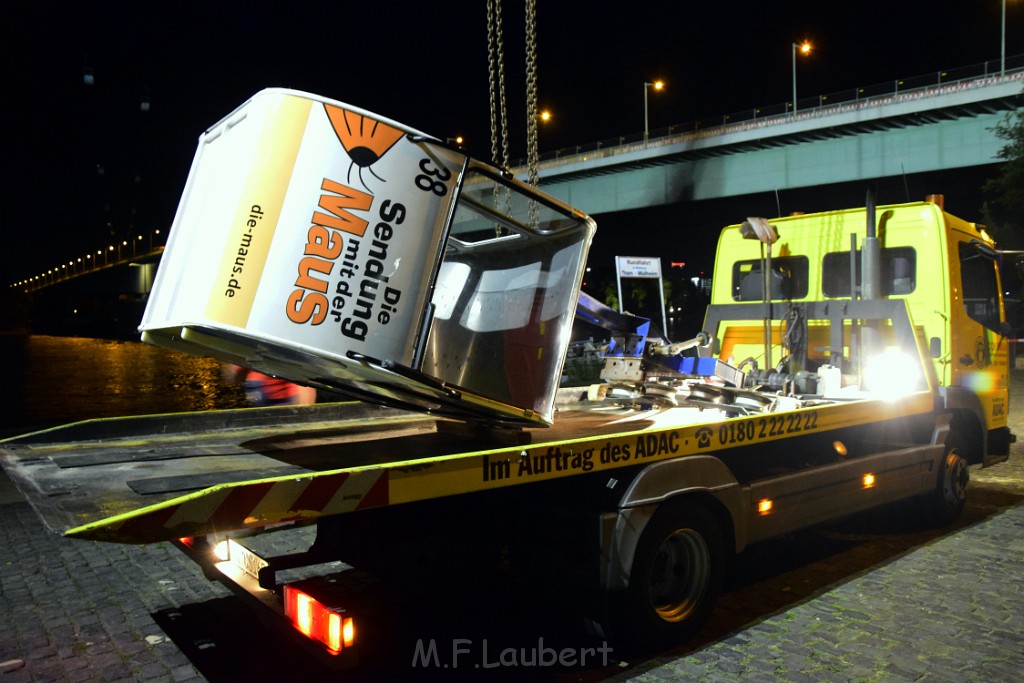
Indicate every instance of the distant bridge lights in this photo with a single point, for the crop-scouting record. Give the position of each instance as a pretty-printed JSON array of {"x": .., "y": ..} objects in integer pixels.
[{"x": 112, "y": 255}]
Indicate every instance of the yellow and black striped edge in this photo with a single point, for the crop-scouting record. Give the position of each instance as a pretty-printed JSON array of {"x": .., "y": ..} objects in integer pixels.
[{"x": 264, "y": 502}]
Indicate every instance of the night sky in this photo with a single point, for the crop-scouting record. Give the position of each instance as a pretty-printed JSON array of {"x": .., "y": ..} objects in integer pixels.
[{"x": 87, "y": 165}]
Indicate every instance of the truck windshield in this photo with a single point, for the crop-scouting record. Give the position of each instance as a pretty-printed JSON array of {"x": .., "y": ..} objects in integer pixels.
[{"x": 980, "y": 286}]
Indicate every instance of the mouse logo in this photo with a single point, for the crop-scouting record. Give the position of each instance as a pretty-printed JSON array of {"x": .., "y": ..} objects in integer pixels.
[
  {"x": 365, "y": 139},
  {"x": 703, "y": 437},
  {"x": 981, "y": 353}
]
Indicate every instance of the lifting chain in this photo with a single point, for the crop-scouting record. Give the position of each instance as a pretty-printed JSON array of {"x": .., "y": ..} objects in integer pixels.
[
  {"x": 498, "y": 107},
  {"x": 532, "y": 115},
  {"x": 496, "y": 82},
  {"x": 499, "y": 110}
]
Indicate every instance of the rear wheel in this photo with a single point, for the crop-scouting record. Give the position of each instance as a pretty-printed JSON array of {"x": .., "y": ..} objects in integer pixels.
[{"x": 676, "y": 577}]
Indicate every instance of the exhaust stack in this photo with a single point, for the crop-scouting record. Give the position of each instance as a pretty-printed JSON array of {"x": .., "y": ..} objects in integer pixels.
[{"x": 871, "y": 254}]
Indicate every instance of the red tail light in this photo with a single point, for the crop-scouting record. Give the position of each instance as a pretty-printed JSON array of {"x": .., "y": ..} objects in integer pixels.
[{"x": 317, "y": 621}]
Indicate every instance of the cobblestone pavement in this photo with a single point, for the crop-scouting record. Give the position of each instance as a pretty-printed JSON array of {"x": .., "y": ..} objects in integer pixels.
[
  {"x": 939, "y": 605},
  {"x": 82, "y": 611},
  {"x": 951, "y": 609},
  {"x": 848, "y": 603}
]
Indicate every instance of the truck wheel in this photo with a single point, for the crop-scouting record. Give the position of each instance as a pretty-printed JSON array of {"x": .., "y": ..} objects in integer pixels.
[
  {"x": 950, "y": 495},
  {"x": 676, "y": 577}
]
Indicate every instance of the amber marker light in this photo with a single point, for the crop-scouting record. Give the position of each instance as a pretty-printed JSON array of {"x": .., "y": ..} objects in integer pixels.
[
  {"x": 868, "y": 480},
  {"x": 348, "y": 632},
  {"x": 764, "y": 506}
]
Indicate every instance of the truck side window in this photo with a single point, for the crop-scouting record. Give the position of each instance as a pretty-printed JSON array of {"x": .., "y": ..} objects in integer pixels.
[
  {"x": 788, "y": 278},
  {"x": 979, "y": 285},
  {"x": 898, "y": 276}
]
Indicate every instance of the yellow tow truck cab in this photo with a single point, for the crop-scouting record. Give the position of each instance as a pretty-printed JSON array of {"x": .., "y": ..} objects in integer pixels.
[{"x": 944, "y": 267}]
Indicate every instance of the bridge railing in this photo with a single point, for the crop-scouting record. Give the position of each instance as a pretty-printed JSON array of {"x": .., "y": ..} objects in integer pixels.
[{"x": 922, "y": 85}]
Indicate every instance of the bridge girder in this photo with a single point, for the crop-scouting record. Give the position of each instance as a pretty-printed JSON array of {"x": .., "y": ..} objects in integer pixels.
[{"x": 948, "y": 129}]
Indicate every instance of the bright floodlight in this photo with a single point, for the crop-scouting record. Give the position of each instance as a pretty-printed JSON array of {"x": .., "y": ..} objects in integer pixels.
[{"x": 892, "y": 374}]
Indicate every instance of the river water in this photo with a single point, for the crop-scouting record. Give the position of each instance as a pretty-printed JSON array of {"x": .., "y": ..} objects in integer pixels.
[{"x": 56, "y": 380}]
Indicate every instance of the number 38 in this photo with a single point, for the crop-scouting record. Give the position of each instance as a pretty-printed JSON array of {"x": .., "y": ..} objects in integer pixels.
[{"x": 432, "y": 178}]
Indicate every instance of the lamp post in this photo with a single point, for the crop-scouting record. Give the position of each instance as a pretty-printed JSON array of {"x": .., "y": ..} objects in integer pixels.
[
  {"x": 805, "y": 49},
  {"x": 657, "y": 85}
]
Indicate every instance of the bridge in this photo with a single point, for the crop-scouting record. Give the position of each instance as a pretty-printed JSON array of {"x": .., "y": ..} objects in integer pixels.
[
  {"x": 932, "y": 123},
  {"x": 140, "y": 253},
  {"x": 101, "y": 294}
]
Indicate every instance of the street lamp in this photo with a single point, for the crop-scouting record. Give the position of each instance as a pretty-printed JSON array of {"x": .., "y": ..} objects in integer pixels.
[
  {"x": 805, "y": 49},
  {"x": 657, "y": 85}
]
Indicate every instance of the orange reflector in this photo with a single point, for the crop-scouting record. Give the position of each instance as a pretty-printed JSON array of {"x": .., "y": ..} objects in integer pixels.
[
  {"x": 316, "y": 621},
  {"x": 348, "y": 633},
  {"x": 764, "y": 506},
  {"x": 868, "y": 480}
]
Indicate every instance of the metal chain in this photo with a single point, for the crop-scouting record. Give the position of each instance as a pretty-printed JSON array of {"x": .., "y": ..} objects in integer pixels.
[
  {"x": 531, "y": 93},
  {"x": 496, "y": 82},
  {"x": 498, "y": 108},
  {"x": 492, "y": 81},
  {"x": 506, "y": 157},
  {"x": 532, "y": 115}
]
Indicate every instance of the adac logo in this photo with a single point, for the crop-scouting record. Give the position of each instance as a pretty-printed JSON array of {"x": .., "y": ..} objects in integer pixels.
[
  {"x": 365, "y": 139},
  {"x": 704, "y": 437}
]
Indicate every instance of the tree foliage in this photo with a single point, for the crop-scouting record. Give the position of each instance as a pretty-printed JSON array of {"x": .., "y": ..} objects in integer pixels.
[{"x": 1004, "y": 193}]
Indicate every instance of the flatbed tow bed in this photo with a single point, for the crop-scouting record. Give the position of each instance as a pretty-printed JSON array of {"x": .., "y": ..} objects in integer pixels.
[
  {"x": 154, "y": 478},
  {"x": 88, "y": 479}
]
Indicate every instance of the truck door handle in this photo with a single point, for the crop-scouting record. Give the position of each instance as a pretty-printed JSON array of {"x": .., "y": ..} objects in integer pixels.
[{"x": 966, "y": 360}]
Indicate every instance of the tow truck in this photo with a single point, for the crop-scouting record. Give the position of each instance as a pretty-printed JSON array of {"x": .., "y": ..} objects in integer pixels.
[{"x": 435, "y": 294}]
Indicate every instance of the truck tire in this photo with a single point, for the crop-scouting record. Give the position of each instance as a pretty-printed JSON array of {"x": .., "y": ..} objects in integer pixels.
[
  {"x": 947, "y": 501},
  {"x": 676, "y": 577}
]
